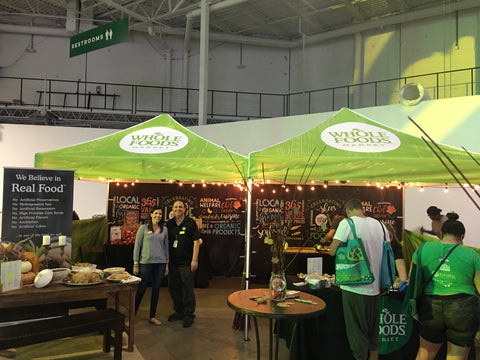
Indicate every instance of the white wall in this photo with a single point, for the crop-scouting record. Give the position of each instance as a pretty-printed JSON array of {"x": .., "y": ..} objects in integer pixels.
[
  {"x": 19, "y": 143},
  {"x": 417, "y": 202}
]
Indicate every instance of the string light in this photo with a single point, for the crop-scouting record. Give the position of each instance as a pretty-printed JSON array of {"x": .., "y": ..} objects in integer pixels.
[
  {"x": 204, "y": 185},
  {"x": 299, "y": 188},
  {"x": 274, "y": 191},
  {"x": 421, "y": 189},
  {"x": 312, "y": 188},
  {"x": 193, "y": 185},
  {"x": 287, "y": 189},
  {"x": 446, "y": 189},
  {"x": 325, "y": 184}
]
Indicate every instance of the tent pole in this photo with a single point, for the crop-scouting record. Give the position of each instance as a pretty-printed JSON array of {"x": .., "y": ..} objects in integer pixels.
[{"x": 247, "y": 247}]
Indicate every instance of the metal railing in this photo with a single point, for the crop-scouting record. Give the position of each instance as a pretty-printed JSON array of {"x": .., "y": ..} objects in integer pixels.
[{"x": 223, "y": 106}]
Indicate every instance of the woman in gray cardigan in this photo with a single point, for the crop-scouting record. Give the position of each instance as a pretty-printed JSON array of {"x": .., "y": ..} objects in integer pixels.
[{"x": 150, "y": 259}]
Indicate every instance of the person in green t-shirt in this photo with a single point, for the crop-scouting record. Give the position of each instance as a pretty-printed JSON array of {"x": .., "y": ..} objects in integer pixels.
[{"x": 449, "y": 309}]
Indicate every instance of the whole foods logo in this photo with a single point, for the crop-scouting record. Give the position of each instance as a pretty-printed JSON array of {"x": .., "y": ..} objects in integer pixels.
[
  {"x": 154, "y": 140},
  {"x": 358, "y": 137}
]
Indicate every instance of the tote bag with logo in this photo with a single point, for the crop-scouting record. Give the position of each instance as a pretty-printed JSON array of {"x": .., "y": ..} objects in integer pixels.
[{"x": 352, "y": 266}]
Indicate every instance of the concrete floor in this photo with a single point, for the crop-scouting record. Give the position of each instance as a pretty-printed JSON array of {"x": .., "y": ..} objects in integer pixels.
[{"x": 211, "y": 337}]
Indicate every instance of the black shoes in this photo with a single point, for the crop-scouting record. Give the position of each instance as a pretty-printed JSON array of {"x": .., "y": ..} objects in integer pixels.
[
  {"x": 175, "y": 316},
  {"x": 187, "y": 321}
]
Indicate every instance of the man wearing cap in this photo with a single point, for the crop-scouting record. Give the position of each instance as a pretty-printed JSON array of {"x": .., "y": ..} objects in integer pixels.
[{"x": 438, "y": 219}]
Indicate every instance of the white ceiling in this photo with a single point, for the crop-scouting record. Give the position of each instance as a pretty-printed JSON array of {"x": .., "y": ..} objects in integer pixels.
[{"x": 281, "y": 22}]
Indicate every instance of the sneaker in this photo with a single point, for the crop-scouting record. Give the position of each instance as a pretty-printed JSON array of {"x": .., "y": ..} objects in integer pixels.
[
  {"x": 175, "y": 316},
  {"x": 155, "y": 321},
  {"x": 187, "y": 322}
]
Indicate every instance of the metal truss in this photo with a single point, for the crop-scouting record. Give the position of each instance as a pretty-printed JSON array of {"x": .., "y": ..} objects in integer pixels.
[{"x": 55, "y": 117}]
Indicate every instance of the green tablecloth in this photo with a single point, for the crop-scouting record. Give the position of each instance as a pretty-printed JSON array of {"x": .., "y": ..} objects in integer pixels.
[{"x": 89, "y": 232}]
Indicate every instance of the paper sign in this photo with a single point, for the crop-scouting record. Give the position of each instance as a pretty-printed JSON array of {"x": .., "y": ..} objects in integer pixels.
[
  {"x": 315, "y": 265},
  {"x": 10, "y": 274}
]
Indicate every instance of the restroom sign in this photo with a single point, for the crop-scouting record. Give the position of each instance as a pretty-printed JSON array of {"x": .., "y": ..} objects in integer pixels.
[{"x": 99, "y": 37}]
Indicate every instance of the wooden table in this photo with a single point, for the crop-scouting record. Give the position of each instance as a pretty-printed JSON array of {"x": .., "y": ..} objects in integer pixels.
[
  {"x": 17, "y": 302},
  {"x": 241, "y": 302}
]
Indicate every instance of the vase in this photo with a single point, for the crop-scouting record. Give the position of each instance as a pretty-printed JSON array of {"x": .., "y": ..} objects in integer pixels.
[{"x": 278, "y": 286}]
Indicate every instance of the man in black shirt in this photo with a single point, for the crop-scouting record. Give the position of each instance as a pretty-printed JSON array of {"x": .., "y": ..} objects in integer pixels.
[{"x": 184, "y": 245}]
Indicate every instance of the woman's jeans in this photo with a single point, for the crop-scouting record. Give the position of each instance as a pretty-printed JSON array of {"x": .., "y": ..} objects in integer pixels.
[{"x": 155, "y": 273}]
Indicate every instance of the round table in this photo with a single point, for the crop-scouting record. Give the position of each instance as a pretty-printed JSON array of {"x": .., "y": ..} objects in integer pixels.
[{"x": 244, "y": 302}]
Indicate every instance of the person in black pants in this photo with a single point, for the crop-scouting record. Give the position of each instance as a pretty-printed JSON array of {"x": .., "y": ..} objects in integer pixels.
[{"x": 184, "y": 243}]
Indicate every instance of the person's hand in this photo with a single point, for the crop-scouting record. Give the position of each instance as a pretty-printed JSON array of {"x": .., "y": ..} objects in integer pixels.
[
  {"x": 403, "y": 286},
  {"x": 422, "y": 230},
  {"x": 166, "y": 270},
  {"x": 194, "y": 265},
  {"x": 135, "y": 269}
]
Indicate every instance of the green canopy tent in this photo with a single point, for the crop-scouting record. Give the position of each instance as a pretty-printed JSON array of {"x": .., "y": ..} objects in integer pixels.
[
  {"x": 156, "y": 149},
  {"x": 350, "y": 147}
]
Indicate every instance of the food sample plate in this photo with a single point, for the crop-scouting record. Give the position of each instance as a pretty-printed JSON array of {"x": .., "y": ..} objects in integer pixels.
[
  {"x": 114, "y": 270},
  {"x": 70, "y": 283},
  {"x": 118, "y": 277}
]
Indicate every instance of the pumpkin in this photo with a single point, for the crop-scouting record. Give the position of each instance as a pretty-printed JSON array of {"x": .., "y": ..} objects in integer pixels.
[
  {"x": 33, "y": 258},
  {"x": 26, "y": 266},
  {"x": 28, "y": 278}
]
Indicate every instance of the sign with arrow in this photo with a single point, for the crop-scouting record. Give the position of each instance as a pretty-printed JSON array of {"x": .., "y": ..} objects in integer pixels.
[{"x": 99, "y": 37}]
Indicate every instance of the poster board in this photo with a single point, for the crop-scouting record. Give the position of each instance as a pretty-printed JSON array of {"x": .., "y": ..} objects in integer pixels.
[
  {"x": 37, "y": 213},
  {"x": 222, "y": 212},
  {"x": 312, "y": 213},
  {"x": 220, "y": 209}
]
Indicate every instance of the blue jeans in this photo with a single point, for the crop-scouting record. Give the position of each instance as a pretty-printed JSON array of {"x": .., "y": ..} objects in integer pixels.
[{"x": 149, "y": 272}]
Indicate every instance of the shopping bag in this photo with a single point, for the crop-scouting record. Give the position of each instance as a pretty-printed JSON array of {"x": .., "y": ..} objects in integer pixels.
[
  {"x": 352, "y": 266},
  {"x": 387, "y": 270},
  {"x": 415, "y": 288}
]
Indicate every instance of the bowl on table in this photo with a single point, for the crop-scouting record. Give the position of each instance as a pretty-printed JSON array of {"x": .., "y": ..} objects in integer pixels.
[{"x": 59, "y": 274}]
